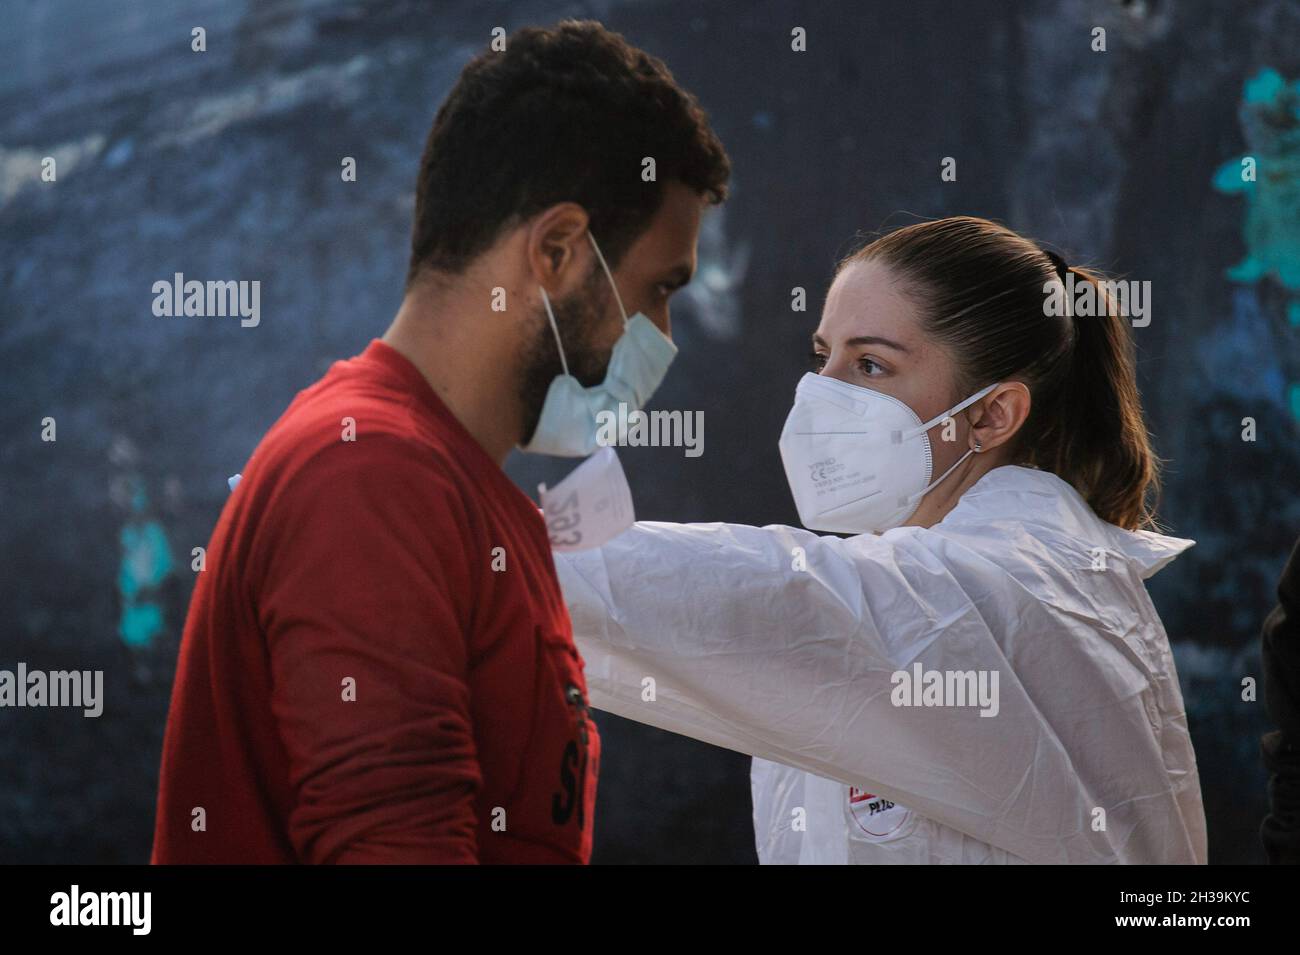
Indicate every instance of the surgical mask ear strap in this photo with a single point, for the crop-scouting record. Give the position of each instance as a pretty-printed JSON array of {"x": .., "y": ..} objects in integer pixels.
[
  {"x": 555, "y": 328},
  {"x": 621, "y": 310},
  {"x": 921, "y": 429}
]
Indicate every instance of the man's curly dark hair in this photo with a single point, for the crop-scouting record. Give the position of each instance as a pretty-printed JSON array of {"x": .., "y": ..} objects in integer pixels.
[{"x": 562, "y": 114}]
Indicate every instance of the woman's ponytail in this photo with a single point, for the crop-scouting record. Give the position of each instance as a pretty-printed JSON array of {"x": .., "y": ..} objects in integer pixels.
[{"x": 1100, "y": 444}]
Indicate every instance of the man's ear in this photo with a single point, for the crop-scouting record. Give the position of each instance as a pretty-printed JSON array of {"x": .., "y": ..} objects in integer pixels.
[
  {"x": 996, "y": 418},
  {"x": 557, "y": 248}
]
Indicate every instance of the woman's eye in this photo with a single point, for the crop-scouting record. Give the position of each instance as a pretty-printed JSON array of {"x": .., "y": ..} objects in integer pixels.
[
  {"x": 818, "y": 360},
  {"x": 867, "y": 364}
]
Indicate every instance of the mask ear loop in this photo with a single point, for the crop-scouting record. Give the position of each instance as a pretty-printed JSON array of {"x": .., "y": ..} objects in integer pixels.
[
  {"x": 939, "y": 480},
  {"x": 969, "y": 451},
  {"x": 555, "y": 328},
  {"x": 921, "y": 429},
  {"x": 621, "y": 310}
]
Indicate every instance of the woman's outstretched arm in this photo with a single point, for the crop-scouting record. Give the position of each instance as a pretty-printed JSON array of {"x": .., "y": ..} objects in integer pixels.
[{"x": 781, "y": 644}]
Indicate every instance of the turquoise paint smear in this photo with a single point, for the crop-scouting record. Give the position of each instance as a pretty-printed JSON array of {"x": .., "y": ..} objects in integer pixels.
[
  {"x": 1264, "y": 87},
  {"x": 1270, "y": 122},
  {"x": 146, "y": 562},
  {"x": 146, "y": 558},
  {"x": 140, "y": 623}
]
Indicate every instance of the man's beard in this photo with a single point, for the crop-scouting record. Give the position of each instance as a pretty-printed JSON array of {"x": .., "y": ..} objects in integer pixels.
[{"x": 578, "y": 317}]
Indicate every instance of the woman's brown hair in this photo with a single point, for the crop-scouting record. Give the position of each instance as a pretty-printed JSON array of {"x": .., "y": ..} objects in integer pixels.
[{"x": 982, "y": 288}]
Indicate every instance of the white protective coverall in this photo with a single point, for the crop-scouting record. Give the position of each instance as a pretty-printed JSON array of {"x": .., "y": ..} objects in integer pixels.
[{"x": 1087, "y": 760}]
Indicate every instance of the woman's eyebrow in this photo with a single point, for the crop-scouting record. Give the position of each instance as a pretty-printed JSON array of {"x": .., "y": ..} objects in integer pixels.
[{"x": 865, "y": 340}]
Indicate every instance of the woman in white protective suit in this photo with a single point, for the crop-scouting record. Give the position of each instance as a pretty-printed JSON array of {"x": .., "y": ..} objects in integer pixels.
[{"x": 978, "y": 674}]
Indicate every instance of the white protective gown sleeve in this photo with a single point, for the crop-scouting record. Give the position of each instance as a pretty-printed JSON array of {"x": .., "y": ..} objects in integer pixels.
[{"x": 783, "y": 644}]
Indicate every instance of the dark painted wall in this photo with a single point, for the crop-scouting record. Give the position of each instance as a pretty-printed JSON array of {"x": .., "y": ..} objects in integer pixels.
[{"x": 226, "y": 164}]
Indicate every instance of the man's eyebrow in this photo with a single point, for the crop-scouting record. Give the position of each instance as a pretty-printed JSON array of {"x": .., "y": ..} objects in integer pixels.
[{"x": 865, "y": 340}]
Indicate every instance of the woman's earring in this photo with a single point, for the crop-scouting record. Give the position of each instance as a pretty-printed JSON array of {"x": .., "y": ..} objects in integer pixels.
[{"x": 978, "y": 447}]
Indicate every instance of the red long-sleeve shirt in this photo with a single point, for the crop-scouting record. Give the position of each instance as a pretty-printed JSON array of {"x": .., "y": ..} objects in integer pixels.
[{"x": 377, "y": 665}]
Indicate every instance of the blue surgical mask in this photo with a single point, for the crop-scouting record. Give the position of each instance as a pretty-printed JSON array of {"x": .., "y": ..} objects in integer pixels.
[{"x": 638, "y": 363}]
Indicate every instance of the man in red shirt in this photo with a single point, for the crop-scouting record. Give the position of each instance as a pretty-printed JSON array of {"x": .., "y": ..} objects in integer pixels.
[{"x": 377, "y": 665}]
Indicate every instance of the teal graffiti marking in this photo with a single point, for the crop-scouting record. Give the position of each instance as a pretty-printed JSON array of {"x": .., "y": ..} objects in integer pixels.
[
  {"x": 1270, "y": 122},
  {"x": 146, "y": 562}
]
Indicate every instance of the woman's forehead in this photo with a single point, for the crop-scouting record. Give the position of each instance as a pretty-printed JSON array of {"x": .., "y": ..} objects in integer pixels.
[{"x": 866, "y": 299}]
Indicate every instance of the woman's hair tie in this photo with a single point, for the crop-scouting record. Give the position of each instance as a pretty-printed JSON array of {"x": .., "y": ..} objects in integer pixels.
[{"x": 1058, "y": 263}]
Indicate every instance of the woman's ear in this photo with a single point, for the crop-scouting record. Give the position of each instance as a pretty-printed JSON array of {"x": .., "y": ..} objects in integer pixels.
[{"x": 995, "y": 418}]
